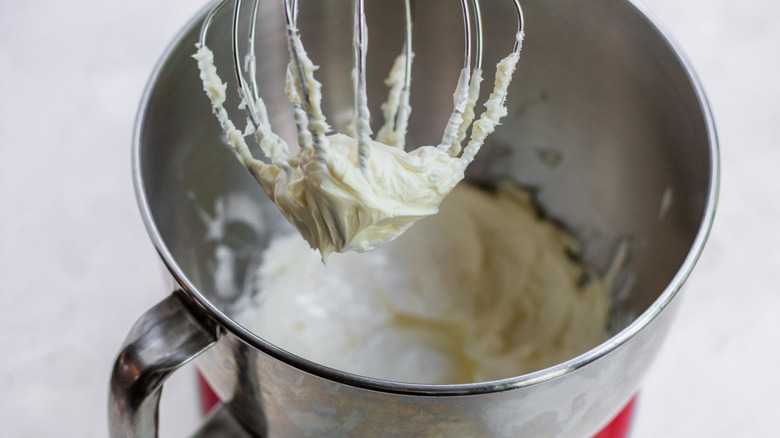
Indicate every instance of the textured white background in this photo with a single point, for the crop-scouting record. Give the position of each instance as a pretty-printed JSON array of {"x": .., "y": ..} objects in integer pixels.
[{"x": 76, "y": 267}]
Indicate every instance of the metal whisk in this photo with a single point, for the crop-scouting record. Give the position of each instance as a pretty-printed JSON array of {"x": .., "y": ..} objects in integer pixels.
[
  {"x": 309, "y": 119},
  {"x": 351, "y": 192}
]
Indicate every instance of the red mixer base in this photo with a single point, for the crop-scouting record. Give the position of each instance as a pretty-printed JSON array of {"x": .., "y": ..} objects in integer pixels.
[
  {"x": 208, "y": 399},
  {"x": 617, "y": 428},
  {"x": 621, "y": 424}
]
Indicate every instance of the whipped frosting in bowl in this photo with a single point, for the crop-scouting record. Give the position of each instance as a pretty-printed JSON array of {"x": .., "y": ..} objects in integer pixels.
[{"x": 485, "y": 289}]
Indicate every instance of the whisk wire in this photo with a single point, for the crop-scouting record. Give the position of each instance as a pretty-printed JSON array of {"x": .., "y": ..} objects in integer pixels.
[
  {"x": 450, "y": 141},
  {"x": 396, "y": 109},
  {"x": 248, "y": 97},
  {"x": 360, "y": 110},
  {"x": 308, "y": 114}
]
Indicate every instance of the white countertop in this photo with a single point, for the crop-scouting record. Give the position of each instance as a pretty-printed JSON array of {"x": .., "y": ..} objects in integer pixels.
[{"x": 77, "y": 268}]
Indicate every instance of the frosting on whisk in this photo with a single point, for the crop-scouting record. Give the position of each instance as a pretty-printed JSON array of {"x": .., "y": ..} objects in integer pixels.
[{"x": 349, "y": 192}]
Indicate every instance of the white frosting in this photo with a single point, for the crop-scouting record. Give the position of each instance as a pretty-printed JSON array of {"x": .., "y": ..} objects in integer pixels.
[
  {"x": 483, "y": 290},
  {"x": 335, "y": 203},
  {"x": 336, "y": 207}
]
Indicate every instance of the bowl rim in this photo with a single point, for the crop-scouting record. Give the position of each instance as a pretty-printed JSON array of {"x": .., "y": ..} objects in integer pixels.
[{"x": 388, "y": 386}]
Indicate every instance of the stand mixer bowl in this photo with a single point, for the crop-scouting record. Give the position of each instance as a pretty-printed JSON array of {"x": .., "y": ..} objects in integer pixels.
[{"x": 608, "y": 125}]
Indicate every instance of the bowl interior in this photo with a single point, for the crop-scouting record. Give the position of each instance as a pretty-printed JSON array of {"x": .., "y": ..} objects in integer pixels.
[{"x": 605, "y": 124}]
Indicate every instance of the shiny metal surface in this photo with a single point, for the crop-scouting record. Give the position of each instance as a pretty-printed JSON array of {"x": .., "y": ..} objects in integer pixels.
[
  {"x": 606, "y": 122},
  {"x": 166, "y": 337},
  {"x": 222, "y": 424}
]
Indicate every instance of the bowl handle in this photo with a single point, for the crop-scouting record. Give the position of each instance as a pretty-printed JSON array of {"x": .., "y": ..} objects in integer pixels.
[{"x": 163, "y": 339}]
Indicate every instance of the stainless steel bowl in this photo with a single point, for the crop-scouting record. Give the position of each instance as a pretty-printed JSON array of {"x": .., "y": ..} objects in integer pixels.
[{"x": 607, "y": 123}]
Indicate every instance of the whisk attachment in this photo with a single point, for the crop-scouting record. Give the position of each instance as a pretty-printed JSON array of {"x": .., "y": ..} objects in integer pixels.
[{"x": 349, "y": 192}]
